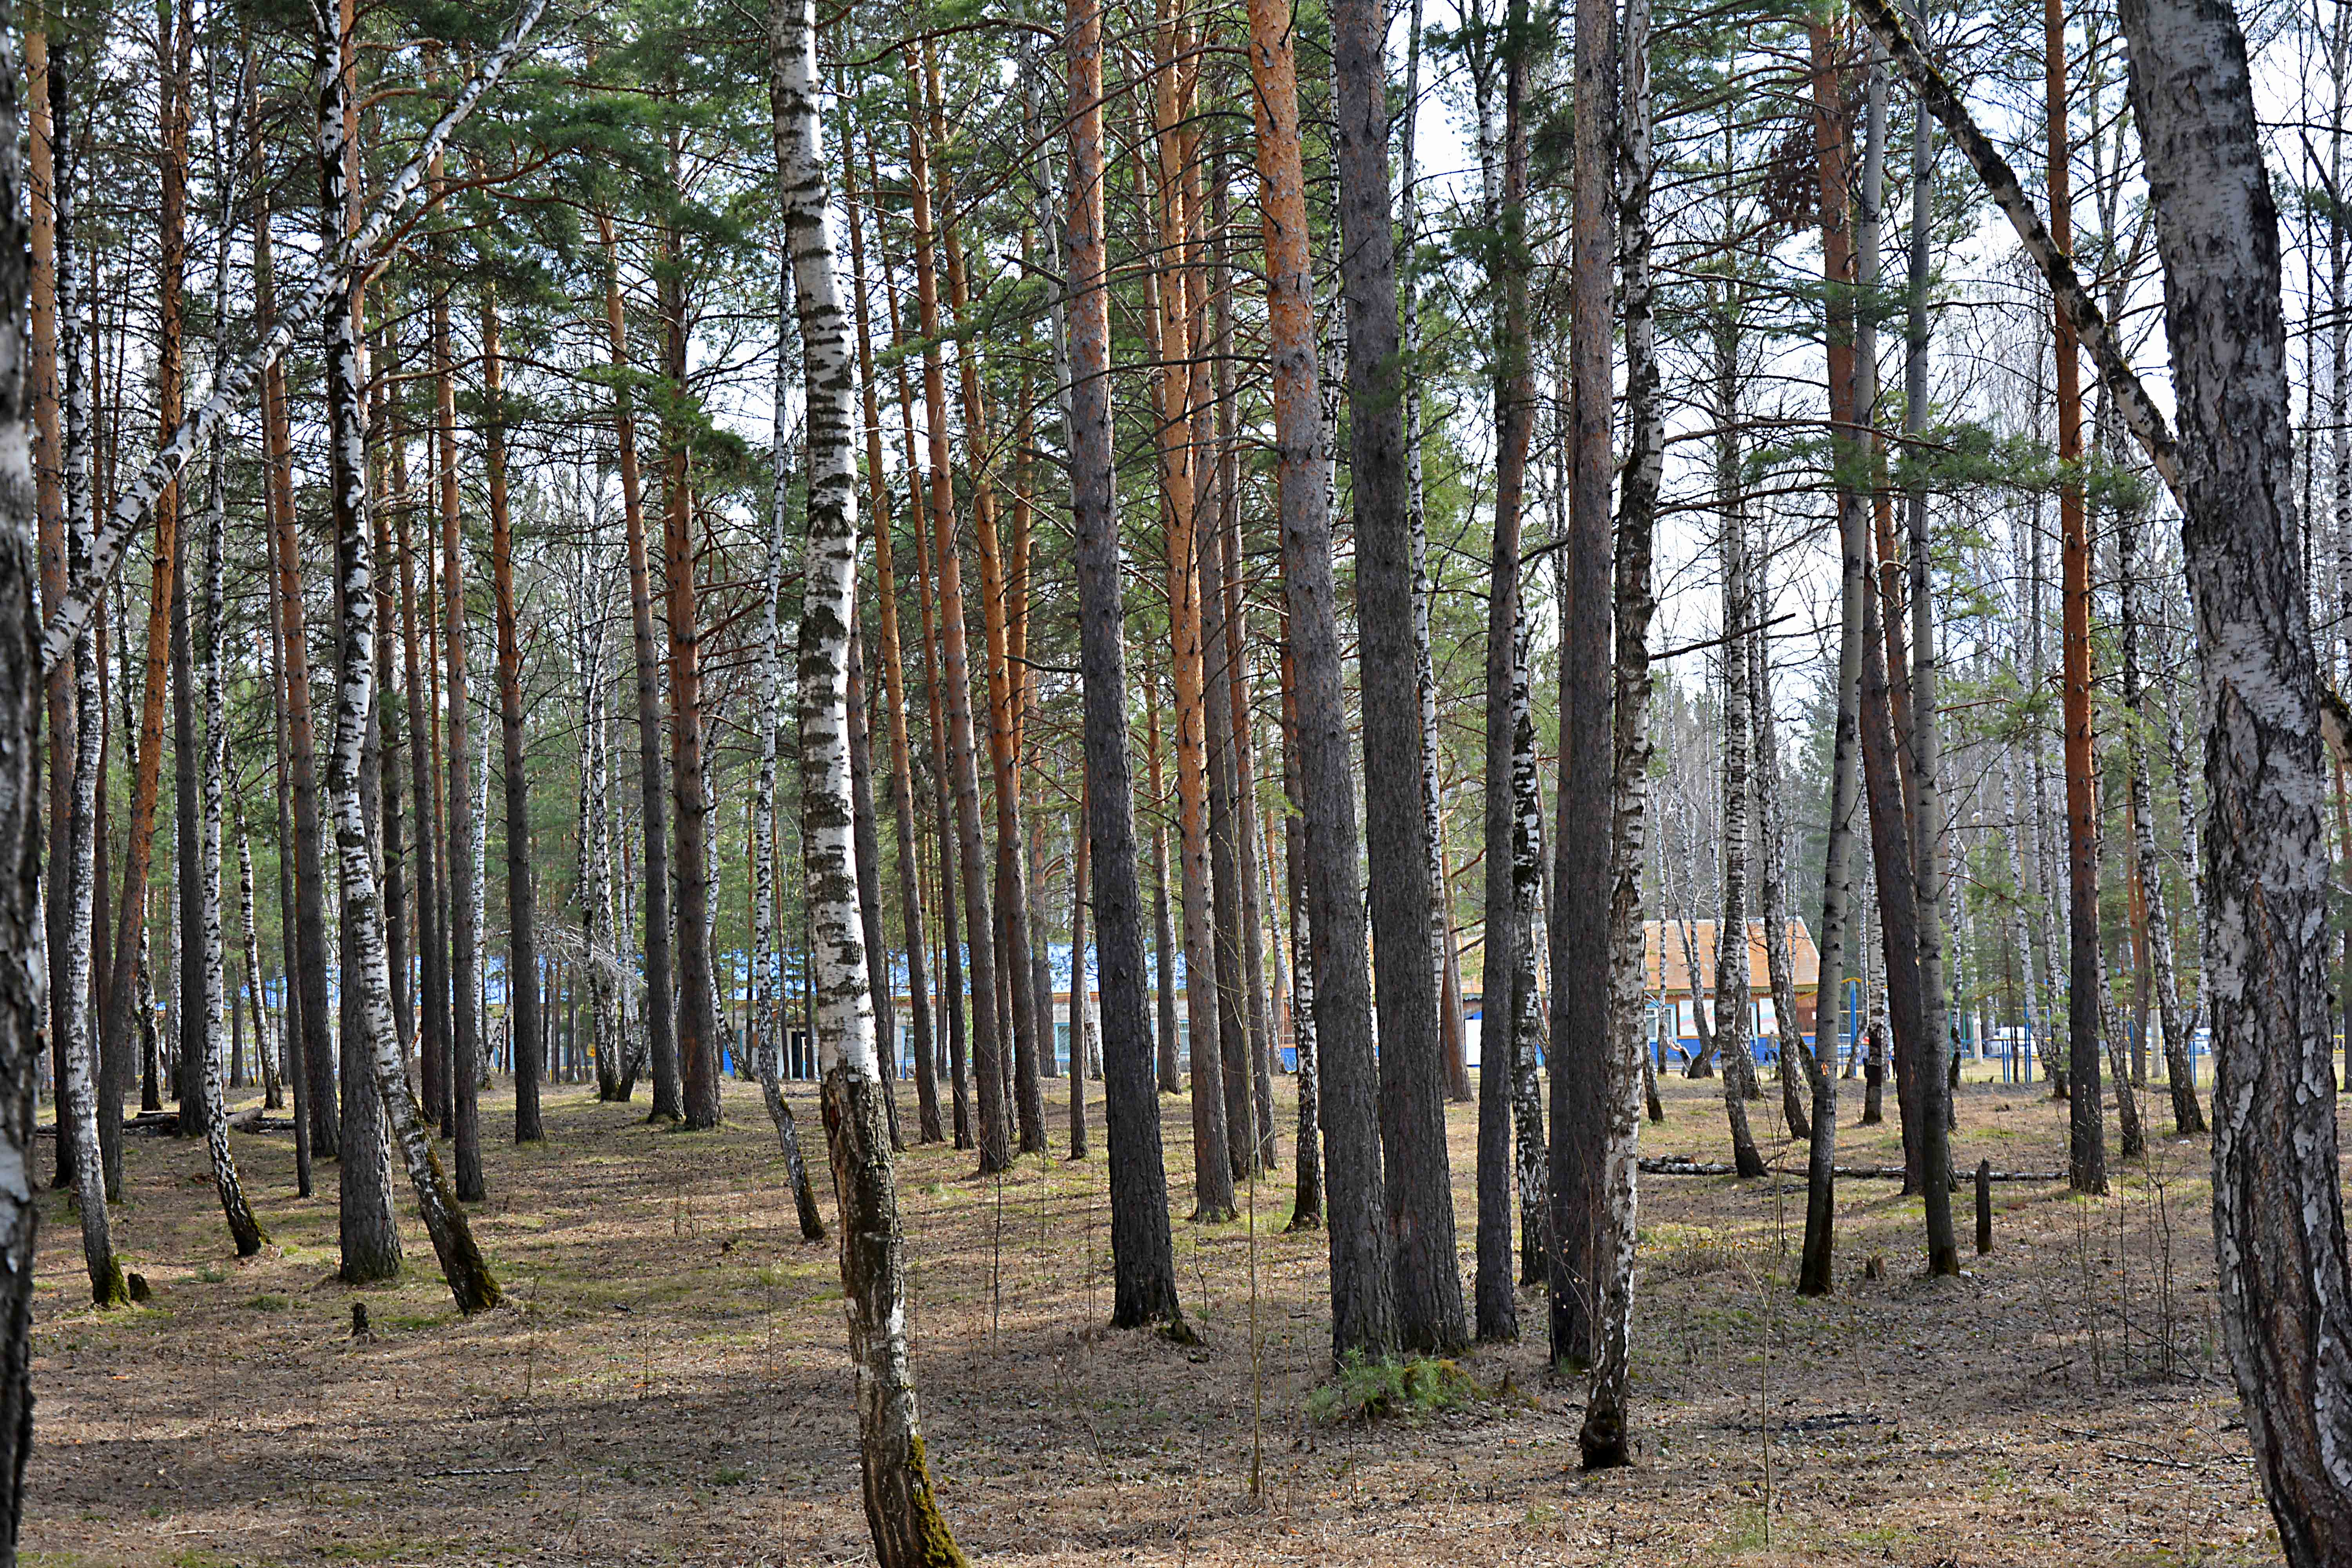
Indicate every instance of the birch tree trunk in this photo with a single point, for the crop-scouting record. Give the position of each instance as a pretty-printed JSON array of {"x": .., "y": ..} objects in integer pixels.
[
  {"x": 900, "y": 1507},
  {"x": 767, "y": 1023},
  {"x": 2188, "y": 1115},
  {"x": 378, "y": 1043},
  {"x": 1796, "y": 1069},
  {"x": 78, "y": 1044},
  {"x": 212, "y": 1070},
  {"x": 369, "y": 1237},
  {"x": 1364, "y": 1317},
  {"x": 21, "y": 830},
  {"x": 1604, "y": 1437},
  {"x": 265, "y": 1043},
  {"x": 1731, "y": 976}
]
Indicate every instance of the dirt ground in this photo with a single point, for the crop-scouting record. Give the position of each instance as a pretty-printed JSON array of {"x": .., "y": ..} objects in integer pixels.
[{"x": 668, "y": 1385}]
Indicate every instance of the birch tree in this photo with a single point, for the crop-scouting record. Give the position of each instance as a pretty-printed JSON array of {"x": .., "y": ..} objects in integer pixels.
[
  {"x": 767, "y": 960},
  {"x": 377, "y": 1048},
  {"x": 2278, "y": 1214},
  {"x": 900, "y": 1507}
]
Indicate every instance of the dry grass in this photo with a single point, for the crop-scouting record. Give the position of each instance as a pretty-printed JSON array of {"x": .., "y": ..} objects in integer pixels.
[{"x": 668, "y": 1385}]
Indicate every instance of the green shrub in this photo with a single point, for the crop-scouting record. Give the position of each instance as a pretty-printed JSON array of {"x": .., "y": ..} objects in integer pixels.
[{"x": 1386, "y": 1389}]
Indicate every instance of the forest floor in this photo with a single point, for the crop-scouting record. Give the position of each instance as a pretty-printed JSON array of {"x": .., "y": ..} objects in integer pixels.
[{"x": 668, "y": 1383}]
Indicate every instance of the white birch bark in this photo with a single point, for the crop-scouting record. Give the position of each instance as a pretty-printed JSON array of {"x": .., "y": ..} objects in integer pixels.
[
  {"x": 80, "y": 1043},
  {"x": 212, "y": 1072},
  {"x": 364, "y": 915},
  {"x": 901, "y": 1508},
  {"x": 1604, "y": 1437},
  {"x": 265, "y": 1042},
  {"x": 767, "y": 958}
]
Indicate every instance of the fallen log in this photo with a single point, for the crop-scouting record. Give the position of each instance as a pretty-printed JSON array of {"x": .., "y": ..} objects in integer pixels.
[{"x": 166, "y": 1123}]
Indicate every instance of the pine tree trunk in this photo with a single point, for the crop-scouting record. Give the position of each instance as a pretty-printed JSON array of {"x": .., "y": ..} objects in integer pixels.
[
  {"x": 1142, "y": 1251},
  {"x": 1224, "y": 804},
  {"x": 1306, "y": 1199},
  {"x": 1163, "y": 930},
  {"x": 1172, "y": 338},
  {"x": 522, "y": 936},
  {"x": 962, "y": 769},
  {"x": 661, "y": 1028},
  {"x": 952, "y": 991},
  {"x": 1839, "y": 927},
  {"x": 2086, "y": 1162},
  {"x": 697, "y": 1021},
  {"x": 893, "y": 684},
  {"x": 1496, "y": 1314},
  {"x": 1928, "y": 848},
  {"x": 173, "y": 46},
  {"x": 468, "y": 1034},
  {"x": 1011, "y": 906},
  {"x": 1417, "y": 1188},
  {"x": 1364, "y": 1316},
  {"x": 1890, "y": 843},
  {"x": 1250, "y": 847},
  {"x": 121, "y": 1011},
  {"x": 277, "y": 490},
  {"x": 1581, "y": 1047},
  {"x": 901, "y": 1511},
  {"x": 432, "y": 937}
]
